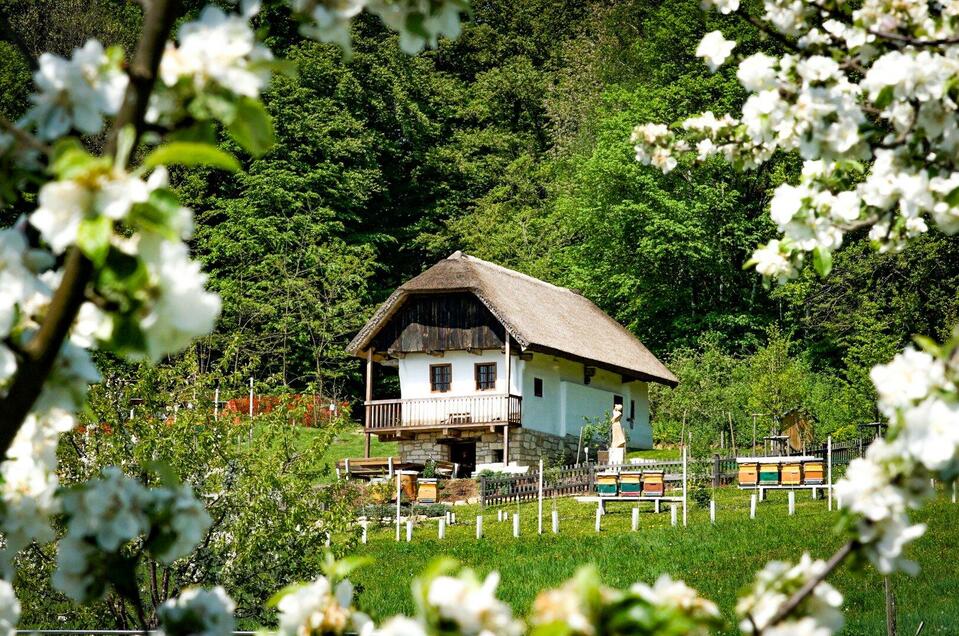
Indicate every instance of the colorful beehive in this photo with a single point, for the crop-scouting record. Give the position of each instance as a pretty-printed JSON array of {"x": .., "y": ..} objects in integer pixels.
[
  {"x": 748, "y": 474},
  {"x": 653, "y": 484},
  {"x": 607, "y": 485},
  {"x": 791, "y": 474},
  {"x": 630, "y": 484},
  {"x": 768, "y": 474},
  {"x": 813, "y": 473}
]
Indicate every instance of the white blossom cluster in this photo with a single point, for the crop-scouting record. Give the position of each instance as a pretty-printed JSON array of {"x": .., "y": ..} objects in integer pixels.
[
  {"x": 670, "y": 593},
  {"x": 918, "y": 393},
  {"x": 217, "y": 53},
  {"x": 471, "y": 606},
  {"x": 76, "y": 94},
  {"x": 420, "y": 23},
  {"x": 197, "y": 612},
  {"x": 865, "y": 98},
  {"x": 9, "y": 609},
  {"x": 319, "y": 608},
  {"x": 105, "y": 514},
  {"x": 817, "y": 615},
  {"x": 29, "y": 480}
]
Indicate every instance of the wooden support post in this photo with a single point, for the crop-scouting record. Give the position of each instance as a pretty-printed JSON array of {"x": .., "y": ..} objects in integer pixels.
[
  {"x": 516, "y": 525},
  {"x": 409, "y": 530},
  {"x": 656, "y": 506},
  {"x": 506, "y": 445},
  {"x": 953, "y": 492},
  {"x": 556, "y": 522},
  {"x": 752, "y": 506},
  {"x": 672, "y": 514},
  {"x": 441, "y": 529},
  {"x": 635, "y": 518},
  {"x": 815, "y": 493},
  {"x": 599, "y": 517},
  {"x": 479, "y": 526},
  {"x": 369, "y": 398},
  {"x": 540, "y": 524},
  {"x": 363, "y": 537},
  {"x": 712, "y": 511},
  {"x": 792, "y": 502},
  {"x": 389, "y": 466}
]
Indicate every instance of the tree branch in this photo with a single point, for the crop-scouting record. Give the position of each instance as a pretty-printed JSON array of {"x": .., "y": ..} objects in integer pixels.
[
  {"x": 22, "y": 137},
  {"x": 790, "y": 606},
  {"x": 41, "y": 352}
]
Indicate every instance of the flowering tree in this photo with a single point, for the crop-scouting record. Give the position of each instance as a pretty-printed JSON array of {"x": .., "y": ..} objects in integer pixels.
[{"x": 865, "y": 96}]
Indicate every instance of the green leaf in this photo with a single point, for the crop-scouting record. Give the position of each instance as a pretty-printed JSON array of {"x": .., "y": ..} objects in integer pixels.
[
  {"x": 127, "y": 336},
  {"x": 252, "y": 127},
  {"x": 822, "y": 261},
  {"x": 952, "y": 198},
  {"x": 126, "y": 139},
  {"x": 93, "y": 238},
  {"x": 885, "y": 97},
  {"x": 191, "y": 153},
  {"x": 70, "y": 159}
]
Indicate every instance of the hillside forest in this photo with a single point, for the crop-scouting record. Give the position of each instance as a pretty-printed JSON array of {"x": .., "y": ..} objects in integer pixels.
[{"x": 511, "y": 143}]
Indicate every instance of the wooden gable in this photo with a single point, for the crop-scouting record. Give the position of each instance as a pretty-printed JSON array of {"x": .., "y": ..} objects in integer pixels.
[{"x": 440, "y": 322}]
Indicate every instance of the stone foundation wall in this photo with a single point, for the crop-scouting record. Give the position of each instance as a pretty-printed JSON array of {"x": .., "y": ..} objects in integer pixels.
[{"x": 526, "y": 447}]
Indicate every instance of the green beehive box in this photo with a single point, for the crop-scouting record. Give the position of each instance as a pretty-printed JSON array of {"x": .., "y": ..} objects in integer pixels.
[
  {"x": 630, "y": 484},
  {"x": 769, "y": 474},
  {"x": 606, "y": 485}
]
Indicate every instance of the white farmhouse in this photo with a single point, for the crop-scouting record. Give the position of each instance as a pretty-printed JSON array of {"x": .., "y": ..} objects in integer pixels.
[{"x": 498, "y": 367}]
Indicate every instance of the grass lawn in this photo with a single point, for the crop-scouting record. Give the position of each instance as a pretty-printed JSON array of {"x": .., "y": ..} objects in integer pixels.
[{"x": 718, "y": 560}]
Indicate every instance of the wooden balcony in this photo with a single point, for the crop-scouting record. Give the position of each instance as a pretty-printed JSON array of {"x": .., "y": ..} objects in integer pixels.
[{"x": 394, "y": 417}]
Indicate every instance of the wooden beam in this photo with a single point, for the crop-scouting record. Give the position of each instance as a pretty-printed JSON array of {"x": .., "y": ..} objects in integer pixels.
[
  {"x": 475, "y": 352},
  {"x": 369, "y": 396}
]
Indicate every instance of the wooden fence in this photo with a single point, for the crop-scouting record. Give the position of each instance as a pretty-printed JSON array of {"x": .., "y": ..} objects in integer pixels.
[
  {"x": 581, "y": 479},
  {"x": 567, "y": 481}
]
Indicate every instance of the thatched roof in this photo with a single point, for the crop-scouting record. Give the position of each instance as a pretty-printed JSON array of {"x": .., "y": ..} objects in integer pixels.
[{"x": 539, "y": 316}]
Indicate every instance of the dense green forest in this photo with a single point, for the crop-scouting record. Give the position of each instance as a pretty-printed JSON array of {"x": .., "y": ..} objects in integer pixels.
[{"x": 512, "y": 144}]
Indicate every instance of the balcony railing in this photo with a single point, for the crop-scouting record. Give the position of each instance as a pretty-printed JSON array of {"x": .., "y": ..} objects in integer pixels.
[{"x": 443, "y": 412}]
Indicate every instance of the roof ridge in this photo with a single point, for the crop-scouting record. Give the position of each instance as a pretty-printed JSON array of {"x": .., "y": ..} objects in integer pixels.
[{"x": 458, "y": 255}]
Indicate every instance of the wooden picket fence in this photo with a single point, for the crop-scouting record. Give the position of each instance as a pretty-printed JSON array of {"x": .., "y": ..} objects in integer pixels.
[
  {"x": 567, "y": 481},
  {"x": 580, "y": 479}
]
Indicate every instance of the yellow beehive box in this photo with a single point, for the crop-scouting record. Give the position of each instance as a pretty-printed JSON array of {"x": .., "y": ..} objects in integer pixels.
[
  {"x": 813, "y": 472},
  {"x": 791, "y": 474},
  {"x": 748, "y": 474}
]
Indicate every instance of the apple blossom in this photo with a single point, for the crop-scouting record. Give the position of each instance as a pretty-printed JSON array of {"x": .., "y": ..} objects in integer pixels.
[{"x": 197, "y": 612}]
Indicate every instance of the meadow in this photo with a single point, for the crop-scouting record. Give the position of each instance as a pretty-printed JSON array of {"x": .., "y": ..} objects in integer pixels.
[{"x": 719, "y": 560}]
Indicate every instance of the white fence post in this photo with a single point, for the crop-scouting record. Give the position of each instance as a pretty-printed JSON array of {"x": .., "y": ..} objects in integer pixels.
[
  {"x": 635, "y": 518},
  {"x": 672, "y": 514},
  {"x": 540, "y": 524},
  {"x": 363, "y": 537},
  {"x": 409, "y": 530},
  {"x": 556, "y": 522},
  {"x": 599, "y": 517},
  {"x": 685, "y": 461},
  {"x": 479, "y": 527},
  {"x": 712, "y": 511},
  {"x": 829, "y": 468},
  {"x": 953, "y": 492},
  {"x": 398, "y": 500},
  {"x": 441, "y": 529},
  {"x": 792, "y": 502},
  {"x": 515, "y": 525},
  {"x": 752, "y": 506}
]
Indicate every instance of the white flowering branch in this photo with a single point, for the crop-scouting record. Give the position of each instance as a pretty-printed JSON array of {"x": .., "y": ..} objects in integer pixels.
[
  {"x": 40, "y": 353},
  {"x": 792, "y": 605}
]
